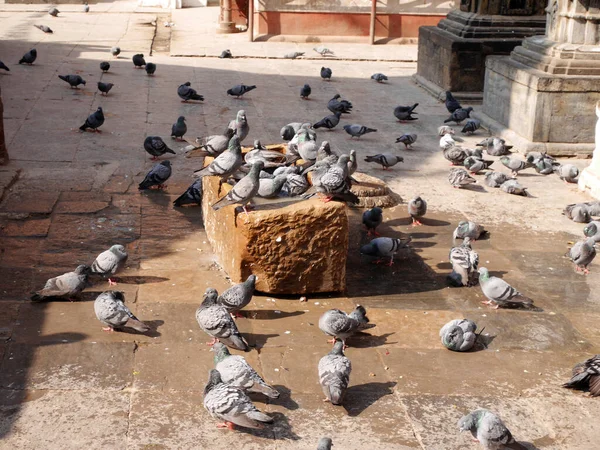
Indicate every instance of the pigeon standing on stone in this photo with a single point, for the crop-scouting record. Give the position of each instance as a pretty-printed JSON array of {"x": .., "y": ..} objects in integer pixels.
[
  {"x": 94, "y": 121},
  {"x": 186, "y": 93},
  {"x": 192, "y": 196},
  {"x": 295, "y": 185},
  {"x": 407, "y": 139},
  {"x": 235, "y": 371},
  {"x": 513, "y": 187},
  {"x": 244, "y": 191},
  {"x": 293, "y": 55},
  {"x": 384, "y": 247},
  {"x": 489, "y": 430},
  {"x": 325, "y": 444},
  {"x": 216, "y": 144},
  {"x": 179, "y": 128},
  {"x": 499, "y": 292},
  {"x": 495, "y": 179},
  {"x": 271, "y": 187},
  {"x": 334, "y": 374},
  {"x": 29, "y": 57},
  {"x": 44, "y": 28},
  {"x": 379, "y": 77},
  {"x": 157, "y": 176},
  {"x": 340, "y": 325},
  {"x": 104, "y": 66},
  {"x": 336, "y": 105},
  {"x": 592, "y": 230},
  {"x": 465, "y": 262},
  {"x": 240, "y": 90},
  {"x": 514, "y": 164},
  {"x": 471, "y": 126},
  {"x": 115, "y": 51},
  {"x": 240, "y": 125},
  {"x": 371, "y": 219},
  {"x": 417, "y": 208},
  {"x": 67, "y": 285},
  {"x": 288, "y": 132},
  {"x": 326, "y": 73},
  {"x": 356, "y": 130},
  {"x": 110, "y": 309},
  {"x": 459, "y": 115},
  {"x": 150, "y": 68},
  {"x": 109, "y": 262},
  {"x": 215, "y": 321},
  {"x": 138, "y": 61},
  {"x": 333, "y": 182},
  {"x": 226, "y": 163},
  {"x": 4, "y": 67},
  {"x": 582, "y": 254},
  {"x": 156, "y": 147},
  {"x": 305, "y": 91},
  {"x": 328, "y": 122},
  {"x": 459, "y": 177},
  {"x": 586, "y": 376},
  {"x": 468, "y": 229},
  {"x": 567, "y": 172},
  {"x": 73, "y": 80},
  {"x": 104, "y": 88},
  {"x": 451, "y": 103},
  {"x": 237, "y": 297},
  {"x": 229, "y": 403},
  {"x": 226, "y": 54},
  {"x": 53, "y": 12},
  {"x": 404, "y": 113},
  {"x": 323, "y": 51},
  {"x": 459, "y": 335}
]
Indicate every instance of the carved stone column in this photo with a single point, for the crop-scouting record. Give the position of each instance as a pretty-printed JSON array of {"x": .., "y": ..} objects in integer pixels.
[
  {"x": 452, "y": 55},
  {"x": 590, "y": 177}
]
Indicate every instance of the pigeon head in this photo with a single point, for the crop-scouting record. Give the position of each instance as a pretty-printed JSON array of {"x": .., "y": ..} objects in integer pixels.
[
  {"x": 214, "y": 379},
  {"x": 467, "y": 423},
  {"x": 376, "y": 212},
  {"x": 252, "y": 278},
  {"x": 336, "y": 96},
  {"x": 83, "y": 82},
  {"x": 99, "y": 109},
  {"x": 221, "y": 352},
  {"x": 210, "y": 297},
  {"x": 165, "y": 163},
  {"x": 181, "y": 119},
  {"x": 590, "y": 230},
  {"x": 118, "y": 248},
  {"x": 484, "y": 274},
  {"x": 83, "y": 270},
  {"x": 33, "y": 51},
  {"x": 343, "y": 160},
  {"x": 187, "y": 83},
  {"x": 241, "y": 116}
]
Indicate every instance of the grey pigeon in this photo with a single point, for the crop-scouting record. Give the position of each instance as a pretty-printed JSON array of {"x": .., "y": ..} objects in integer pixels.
[
  {"x": 156, "y": 147},
  {"x": 237, "y": 297},
  {"x": 489, "y": 430},
  {"x": 384, "y": 247},
  {"x": 582, "y": 254},
  {"x": 109, "y": 262},
  {"x": 295, "y": 185},
  {"x": 459, "y": 335},
  {"x": 235, "y": 371},
  {"x": 216, "y": 144},
  {"x": 231, "y": 404},
  {"x": 306, "y": 148},
  {"x": 240, "y": 125},
  {"x": 567, "y": 172},
  {"x": 459, "y": 115},
  {"x": 405, "y": 113},
  {"x": 513, "y": 187},
  {"x": 110, "y": 309},
  {"x": 53, "y": 12},
  {"x": 465, "y": 262},
  {"x": 192, "y": 196},
  {"x": 271, "y": 187},
  {"x": 270, "y": 158},
  {"x": 226, "y": 54},
  {"x": 495, "y": 179},
  {"x": 445, "y": 129},
  {"x": 86, "y": 8},
  {"x": 475, "y": 164},
  {"x": 4, "y": 67},
  {"x": 325, "y": 444},
  {"x": 94, "y": 120},
  {"x": 326, "y": 73},
  {"x": 44, "y": 28},
  {"x": 104, "y": 66},
  {"x": 323, "y": 51},
  {"x": 293, "y": 55},
  {"x": 586, "y": 376},
  {"x": 371, "y": 219},
  {"x": 186, "y": 93},
  {"x": 341, "y": 326},
  {"x": 459, "y": 177},
  {"x": 471, "y": 126},
  {"x": 356, "y": 130},
  {"x": 451, "y": 103},
  {"x": 179, "y": 128},
  {"x": 239, "y": 90},
  {"x": 336, "y": 105},
  {"x": 495, "y": 146},
  {"x": 215, "y": 321},
  {"x": 593, "y": 208},
  {"x": 226, "y": 163},
  {"x": 104, "y": 88},
  {"x": 328, "y": 122},
  {"x": 29, "y": 57},
  {"x": 334, "y": 374},
  {"x": 67, "y": 285},
  {"x": 417, "y": 208},
  {"x": 456, "y": 155},
  {"x": 407, "y": 139},
  {"x": 468, "y": 229},
  {"x": 244, "y": 191},
  {"x": 499, "y": 292},
  {"x": 352, "y": 163},
  {"x": 115, "y": 51},
  {"x": 73, "y": 80},
  {"x": 150, "y": 68},
  {"x": 379, "y": 77},
  {"x": 544, "y": 165},
  {"x": 333, "y": 182},
  {"x": 514, "y": 164},
  {"x": 305, "y": 91},
  {"x": 289, "y": 131},
  {"x": 578, "y": 212},
  {"x": 138, "y": 61},
  {"x": 157, "y": 176},
  {"x": 592, "y": 230}
]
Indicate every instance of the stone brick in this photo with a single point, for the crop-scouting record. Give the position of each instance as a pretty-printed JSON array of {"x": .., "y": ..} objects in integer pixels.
[
  {"x": 26, "y": 228},
  {"x": 41, "y": 202}
]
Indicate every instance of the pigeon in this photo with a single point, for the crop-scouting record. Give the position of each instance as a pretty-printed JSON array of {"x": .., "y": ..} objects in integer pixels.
[
  {"x": 459, "y": 177},
  {"x": 53, "y": 12},
  {"x": 456, "y": 155},
  {"x": 459, "y": 335},
  {"x": 326, "y": 73},
  {"x": 417, "y": 208},
  {"x": 109, "y": 262},
  {"x": 593, "y": 208},
  {"x": 104, "y": 88},
  {"x": 475, "y": 165},
  {"x": 336, "y": 105},
  {"x": 44, "y": 28},
  {"x": 356, "y": 130},
  {"x": 582, "y": 254},
  {"x": 179, "y": 128},
  {"x": 294, "y": 185},
  {"x": 407, "y": 139},
  {"x": 499, "y": 292},
  {"x": 115, "y": 51},
  {"x": 110, "y": 309},
  {"x": 323, "y": 51},
  {"x": 586, "y": 376},
  {"x": 237, "y": 297},
  {"x": 379, "y": 77},
  {"x": 94, "y": 120},
  {"x": 334, "y": 374},
  {"x": 67, "y": 285},
  {"x": 447, "y": 141},
  {"x": 138, "y": 61},
  {"x": 371, "y": 219},
  {"x": 229, "y": 403},
  {"x": 445, "y": 129},
  {"x": 577, "y": 212},
  {"x": 514, "y": 164},
  {"x": 226, "y": 54},
  {"x": 451, "y": 103},
  {"x": 489, "y": 430},
  {"x": 384, "y": 247},
  {"x": 293, "y": 55},
  {"x": 226, "y": 163},
  {"x": 325, "y": 444},
  {"x": 543, "y": 164},
  {"x": 150, "y": 68},
  {"x": 73, "y": 80},
  {"x": 289, "y": 131},
  {"x": 86, "y": 8},
  {"x": 4, "y": 66},
  {"x": 156, "y": 147},
  {"x": 215, "y": 321},
  {"x": 468, "y": 229},
  {"x": 186, "y": 93},
  {"x": 29, "y": 57},
  {"x": 471, "y": 126},
  {"x": 271, "y": 187},
  {"x": 215, "y": 145},
  {"x": 341, "y": 326},
  {"x": 333, "y": 182},
  {"x": 105, "y": 66},
  {"x": 243, "y": 191},
  {"x": 352, "y": 163},
  {"x": 192, "y": 196},
  {"x": 459, "y": 115},
  {"x": 404, "y": 113},
  {"x": 495, "y": 179},
  {"x": 567, "y": 172},
  {"x": 495, "y": 146},
  {"x": 328, "y": 122},
  {"x": 305, "y": 92},
  {"x": 592, "y": 230},
  {"x": 240, "y": 90},
  {"x": 513, "y": 187},
  {"x": 465, "y": 262},
  {"x": 235, "y": 371},
  {"x": 157, "y": 176},
  {"x": 240, "y": 125}
]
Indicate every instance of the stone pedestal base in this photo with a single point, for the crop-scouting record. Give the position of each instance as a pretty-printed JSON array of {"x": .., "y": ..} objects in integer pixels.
[{"x": 589, "y": 180}]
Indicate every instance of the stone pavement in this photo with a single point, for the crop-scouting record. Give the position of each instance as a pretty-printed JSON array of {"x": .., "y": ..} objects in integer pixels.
[{"x": 66, "y": 384}]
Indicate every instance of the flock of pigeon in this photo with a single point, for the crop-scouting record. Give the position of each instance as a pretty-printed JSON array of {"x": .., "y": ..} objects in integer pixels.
[{"x": 304, "y": 170}]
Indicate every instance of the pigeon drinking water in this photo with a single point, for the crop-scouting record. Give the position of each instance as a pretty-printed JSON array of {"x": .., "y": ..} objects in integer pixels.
[
  {"x": 384, "y": 247},
  {"x": 73, "y": 80},
  {"x": 341, "y": 326}
]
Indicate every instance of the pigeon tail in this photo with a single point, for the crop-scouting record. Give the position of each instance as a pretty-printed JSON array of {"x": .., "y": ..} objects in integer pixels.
[
  {"x": 515, "y": 446},
  {"x": 64, "y": 78},
  {"x": 137, "y": 325},
  {"x": 37, "y": 297},
  {"x": 236, "y": 341},
  {"x": 259, "y": 417},
  {"x": 336, "y": 394},
  {"x": 222, "y": 203}
]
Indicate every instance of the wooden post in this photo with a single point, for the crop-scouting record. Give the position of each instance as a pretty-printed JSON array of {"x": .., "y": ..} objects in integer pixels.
[
  {"x": 372, "y": 24},
  {"x": 251, "y": 20}
]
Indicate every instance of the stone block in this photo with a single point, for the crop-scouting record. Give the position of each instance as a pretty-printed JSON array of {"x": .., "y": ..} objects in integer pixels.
[{"x": 26, "y": 228}]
